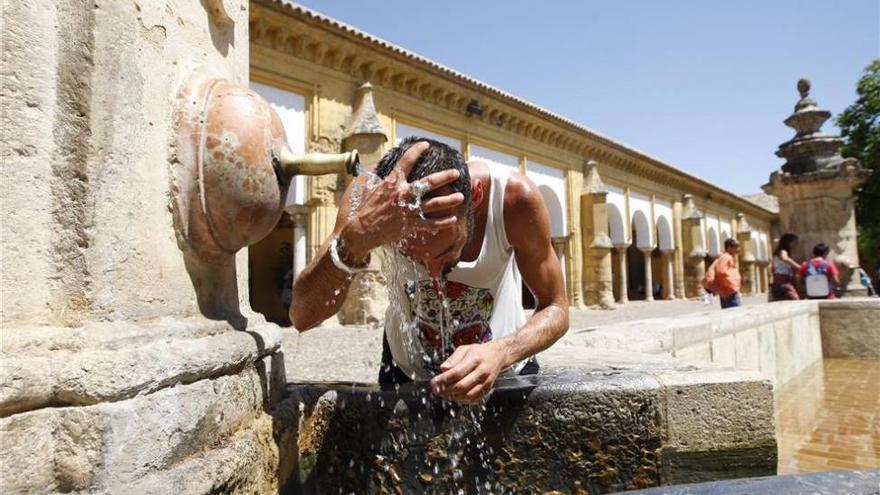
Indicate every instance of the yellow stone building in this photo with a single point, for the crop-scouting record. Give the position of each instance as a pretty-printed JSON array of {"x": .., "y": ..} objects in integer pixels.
[{"x": 622, "y": 220}]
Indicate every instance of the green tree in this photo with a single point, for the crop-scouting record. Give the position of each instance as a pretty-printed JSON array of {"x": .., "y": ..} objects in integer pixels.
[{"x": 860, "y": 126}]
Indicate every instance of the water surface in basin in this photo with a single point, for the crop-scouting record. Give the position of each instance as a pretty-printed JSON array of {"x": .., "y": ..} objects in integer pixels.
[{"x": 828, "y": 417}]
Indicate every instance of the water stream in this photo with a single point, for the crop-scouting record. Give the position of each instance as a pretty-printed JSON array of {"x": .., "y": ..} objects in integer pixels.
[{"x": 421, "y": 301}]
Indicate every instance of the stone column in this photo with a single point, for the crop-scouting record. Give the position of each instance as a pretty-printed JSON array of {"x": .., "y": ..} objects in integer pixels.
[
  {"x": 622, "y": 282},
  {"x": 746, "y": 255},
  {"x": 694, "y": 251},
  {"x": 649, "y": 276},
  {"x": 597, "y": 273},
  {"x": 575, "y": 282},
  {"x": 669, "y": 286},
  {"x": 299, "y": 245},
  {"x": 762, "y": 277},
  {"x": 367, "y": 297},
  {"x": 679, "y": 251}
]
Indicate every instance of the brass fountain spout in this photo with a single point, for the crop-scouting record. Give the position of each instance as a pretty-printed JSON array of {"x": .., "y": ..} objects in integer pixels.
[
  {"x": 290, "y": 164},
  {"x": 232, "y": 166}
]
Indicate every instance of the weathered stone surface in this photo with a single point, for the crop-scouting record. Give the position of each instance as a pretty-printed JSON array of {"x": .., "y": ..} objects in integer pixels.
[
  {"x": 118, "y": 443},
  {"x": 395, "y": 431},
  {"x": 92, "y": 365},
  {"x": 710, "y": 410},
  {"x": 598, "y": 432},
  {"x": 86, "y": 92},
  {"x": 246, "y": 462},
  {"x": 851, "y": 328},
  {"x": 827, "y": 483}
]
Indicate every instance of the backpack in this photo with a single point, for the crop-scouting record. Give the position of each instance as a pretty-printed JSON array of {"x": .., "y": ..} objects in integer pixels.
[{"x": 816, "y": 280}]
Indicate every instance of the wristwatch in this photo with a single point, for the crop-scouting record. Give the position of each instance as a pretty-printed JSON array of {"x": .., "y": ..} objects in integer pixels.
[{"x": 337, "y": 260}]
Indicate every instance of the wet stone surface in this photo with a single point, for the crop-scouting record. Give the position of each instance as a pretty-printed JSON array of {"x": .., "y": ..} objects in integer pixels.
[
  {"x": 571, "y": 432},
  {"x": 824, "y": 483}
]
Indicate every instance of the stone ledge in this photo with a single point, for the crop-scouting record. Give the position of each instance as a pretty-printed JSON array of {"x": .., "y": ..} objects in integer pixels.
[
  {"x": 592, "y": 423},
  {"x": 851, "y": 328},
  {"x": 114, "y": 444},
  {"x": 78, "y": 370}
]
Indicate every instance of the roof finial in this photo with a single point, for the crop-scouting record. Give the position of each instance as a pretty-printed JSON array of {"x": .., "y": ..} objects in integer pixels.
[{"x": 804, "y": 87}]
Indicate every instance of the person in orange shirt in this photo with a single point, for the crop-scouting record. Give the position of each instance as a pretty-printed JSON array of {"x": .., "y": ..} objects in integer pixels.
[{"x": 723, "y": 276}]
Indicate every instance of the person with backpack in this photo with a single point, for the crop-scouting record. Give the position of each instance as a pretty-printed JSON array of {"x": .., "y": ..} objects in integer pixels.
[
  {"x": 820, "y": 277},
  {"x": 723, "y": 277}
]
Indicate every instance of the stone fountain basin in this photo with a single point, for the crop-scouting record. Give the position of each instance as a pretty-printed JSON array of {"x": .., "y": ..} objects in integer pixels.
[{"x": 565, "y": 429}]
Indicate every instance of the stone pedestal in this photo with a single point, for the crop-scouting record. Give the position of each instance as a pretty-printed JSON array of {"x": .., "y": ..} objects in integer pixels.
[
  {"x": 815, "y": 190},
  {"x": 694, "y": 250},
  {"x": 820, "y": 207},
  {"x": 597, "y": 273},
  {"x": 747, "y": 267}
]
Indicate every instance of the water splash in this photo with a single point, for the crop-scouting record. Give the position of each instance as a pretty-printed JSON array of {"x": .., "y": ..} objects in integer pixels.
[{"x": 465, "y": 438}]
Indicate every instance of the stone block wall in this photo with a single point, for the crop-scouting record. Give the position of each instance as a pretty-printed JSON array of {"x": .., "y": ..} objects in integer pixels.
[
  {"x": 851, "y": 328},
  {"x": 778, "y": 340},
  {"x": 112, "y": 381}
]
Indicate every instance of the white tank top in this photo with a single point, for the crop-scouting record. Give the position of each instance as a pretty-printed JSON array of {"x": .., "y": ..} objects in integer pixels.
[{"x": 484, "y": 298}]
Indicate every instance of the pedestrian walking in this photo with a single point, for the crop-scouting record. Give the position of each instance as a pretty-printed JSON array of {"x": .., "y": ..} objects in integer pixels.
[{"x": 723, "y": 277}]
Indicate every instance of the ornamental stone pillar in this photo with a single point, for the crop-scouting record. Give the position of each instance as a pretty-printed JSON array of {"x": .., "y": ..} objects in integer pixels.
[
  {"x": 694, "y": 250},
  {"x": 649, "y": 276},
  {"x": 367, "y": 297},
  {"x": 575, "y": 260},
  {"x": 679, "y": 254},
  {"x": 746, "y": 255},
  {"x": 815, "y": 190},
  {"x": 622, "y": 283},
  {"x": 598, "y": 288}
]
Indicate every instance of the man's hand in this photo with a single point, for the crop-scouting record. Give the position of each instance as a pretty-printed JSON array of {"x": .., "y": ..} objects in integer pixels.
[
  {"x": 470, "y": 372},
  {"x": 384, "y": 216}
]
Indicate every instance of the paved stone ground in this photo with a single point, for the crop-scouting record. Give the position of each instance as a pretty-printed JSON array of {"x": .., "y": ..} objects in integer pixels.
[
  {"x": 641, "y": 310},
  {"x": 336, "y": 353}
]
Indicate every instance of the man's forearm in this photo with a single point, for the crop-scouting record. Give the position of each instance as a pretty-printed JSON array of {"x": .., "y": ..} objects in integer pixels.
[
  {"x": 543, "y": 329},
  {"x": 318, "y": 292}
]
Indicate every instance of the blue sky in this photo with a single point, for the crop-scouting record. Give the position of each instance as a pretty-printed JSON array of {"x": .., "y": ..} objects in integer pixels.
[{"x": 703, "y": 85}]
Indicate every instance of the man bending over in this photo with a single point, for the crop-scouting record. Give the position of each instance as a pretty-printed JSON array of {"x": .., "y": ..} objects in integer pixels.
[{"x": 473, "y": 234}]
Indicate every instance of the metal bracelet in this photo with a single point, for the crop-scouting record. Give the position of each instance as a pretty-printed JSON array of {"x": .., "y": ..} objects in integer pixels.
[{"x": 337, "y": 260}]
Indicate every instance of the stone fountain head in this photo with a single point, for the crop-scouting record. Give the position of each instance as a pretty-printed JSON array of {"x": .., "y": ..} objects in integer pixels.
[{"x": 231, "y": 168}]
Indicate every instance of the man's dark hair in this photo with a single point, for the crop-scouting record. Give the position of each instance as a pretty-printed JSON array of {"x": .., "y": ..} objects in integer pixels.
[
  {"x": 821, "y": 250},
  {"x": 730, "y": 242},
  {"x": 436, "y": 158}
]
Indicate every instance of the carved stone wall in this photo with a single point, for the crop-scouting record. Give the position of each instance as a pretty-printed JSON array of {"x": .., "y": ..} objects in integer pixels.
[{"x": 112, "y": 381}]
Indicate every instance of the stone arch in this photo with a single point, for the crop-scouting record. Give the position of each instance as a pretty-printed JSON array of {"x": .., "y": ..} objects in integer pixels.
[
  {"x": 712, "y": 245},
  {"x": 762, "y": 247},
  {"x": 641, "y": 230},
  {"x": 554, "y": 207},
  {"x": 616, "y": 225},
  {"x": 664, "y": 233}
]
